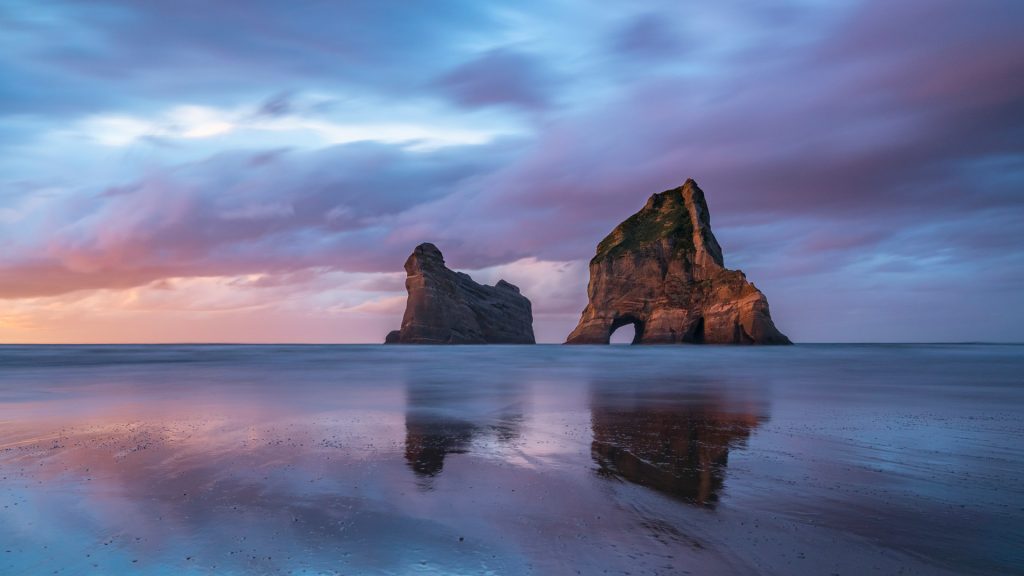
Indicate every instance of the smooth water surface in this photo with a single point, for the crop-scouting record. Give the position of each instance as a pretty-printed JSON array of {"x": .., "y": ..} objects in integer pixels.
[{"x": 512, "y": 460}]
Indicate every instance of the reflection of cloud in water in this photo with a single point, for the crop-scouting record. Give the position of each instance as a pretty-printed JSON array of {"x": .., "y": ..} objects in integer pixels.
[
  {"x": 121, "y": 498},
  {"x": 676, "y": 446}
]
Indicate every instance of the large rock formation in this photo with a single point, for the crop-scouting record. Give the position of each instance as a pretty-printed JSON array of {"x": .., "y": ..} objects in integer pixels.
[
  {"x": 662, "y": 271},
  {"x": 448, "y": 307}
]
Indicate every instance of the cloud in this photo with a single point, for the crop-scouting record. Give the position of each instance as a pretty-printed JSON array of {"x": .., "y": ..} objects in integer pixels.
[
  {"x": 230, "y": 215},
  {"x": 179, "y": 124},
  {"x": 308, "y": 306},
  {"x": 853, "y": 154},
  {"x": 500, "y": 77},
  {"x": 277, "y": 105},
  {"x": 388, "y": 305},
  {"x": 648, "y": 35},
  {"x": 165, "y": 48}
]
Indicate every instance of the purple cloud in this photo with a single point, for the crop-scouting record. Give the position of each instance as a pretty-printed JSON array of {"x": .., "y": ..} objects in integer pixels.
[
  {"x": 649, "y": 35},
  {"x": 500, "y": 77}
]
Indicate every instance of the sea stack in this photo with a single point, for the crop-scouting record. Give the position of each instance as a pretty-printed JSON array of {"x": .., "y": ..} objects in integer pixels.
[
  {"x": 662, "y": 271},
  {"x": 448, "y": 307}
]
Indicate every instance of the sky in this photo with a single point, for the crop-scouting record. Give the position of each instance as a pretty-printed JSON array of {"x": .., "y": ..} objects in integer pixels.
[{"x": 192, "y": 171}]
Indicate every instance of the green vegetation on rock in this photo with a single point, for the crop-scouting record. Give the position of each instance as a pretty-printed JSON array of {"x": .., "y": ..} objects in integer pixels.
[{"x": 665, "y": 217}]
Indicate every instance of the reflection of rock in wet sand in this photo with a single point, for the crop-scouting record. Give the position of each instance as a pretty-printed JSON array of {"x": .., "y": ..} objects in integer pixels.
[
  {"x": 428, "y": 439},
  {"x": 440, "y": 421},
  {"x": 677, "y": 449}
]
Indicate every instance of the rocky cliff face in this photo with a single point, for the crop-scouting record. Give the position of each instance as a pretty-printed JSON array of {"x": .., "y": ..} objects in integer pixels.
[
  {"x": 448, "y": 307},
  {"x": 662, "y": 271}
]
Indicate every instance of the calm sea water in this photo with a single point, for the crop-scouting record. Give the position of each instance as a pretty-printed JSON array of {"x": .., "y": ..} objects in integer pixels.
[{"x": 512, "y": 460}]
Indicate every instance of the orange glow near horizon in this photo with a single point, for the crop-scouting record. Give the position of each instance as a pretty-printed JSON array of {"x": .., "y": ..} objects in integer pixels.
[{"x": 211, "y": 309}]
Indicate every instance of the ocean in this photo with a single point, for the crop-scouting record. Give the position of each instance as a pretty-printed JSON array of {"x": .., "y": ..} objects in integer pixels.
[{"x": 237, "y": 459}]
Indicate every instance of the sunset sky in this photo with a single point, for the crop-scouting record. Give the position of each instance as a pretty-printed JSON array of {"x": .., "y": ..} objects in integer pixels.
[{"x": 258, "y": 171}]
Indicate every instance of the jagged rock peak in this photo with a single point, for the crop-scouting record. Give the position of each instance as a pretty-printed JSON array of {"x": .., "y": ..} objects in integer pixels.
[
  {"x": 679, "y": 215},
  {"x": 448, "y": 307},
  {"x": 662, "y": 270}
]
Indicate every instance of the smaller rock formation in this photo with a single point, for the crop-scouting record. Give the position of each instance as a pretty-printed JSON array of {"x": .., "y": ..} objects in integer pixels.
[
  {"x": 662, "y": 271},
  {"x": 448, "y": 307}
]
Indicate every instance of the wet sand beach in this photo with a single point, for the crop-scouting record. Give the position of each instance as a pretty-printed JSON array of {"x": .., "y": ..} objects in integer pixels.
[{"x": 812, "y": 459}]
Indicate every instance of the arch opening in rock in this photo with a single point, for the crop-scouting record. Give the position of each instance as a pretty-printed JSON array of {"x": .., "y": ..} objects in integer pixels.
[{"x": 626, "y": 329}]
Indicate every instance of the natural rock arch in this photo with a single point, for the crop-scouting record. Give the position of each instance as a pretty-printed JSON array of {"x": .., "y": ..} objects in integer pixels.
[
  {"x": 662, "y": 270},
  {"x": 627, "y": 320}
]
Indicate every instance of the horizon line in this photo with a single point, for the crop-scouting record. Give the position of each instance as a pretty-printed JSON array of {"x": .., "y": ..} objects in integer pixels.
[{"x": 188, "y": 343}]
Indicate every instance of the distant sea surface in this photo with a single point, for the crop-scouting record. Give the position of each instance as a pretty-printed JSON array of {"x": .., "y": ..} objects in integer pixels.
[{"x": 810, "y": 459}]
